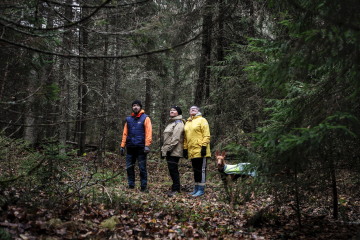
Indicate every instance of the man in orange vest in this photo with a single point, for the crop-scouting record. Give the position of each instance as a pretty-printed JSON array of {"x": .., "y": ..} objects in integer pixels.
[{"x": 137, "y": 137}]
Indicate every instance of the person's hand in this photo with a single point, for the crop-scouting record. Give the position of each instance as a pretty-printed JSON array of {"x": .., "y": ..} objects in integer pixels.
[
  {"x": 185, "y": 154},
  {"x": 203, "y": 151},
  {"x": 146, "y": 149},
  {"x": 168, "y": 153},
  {"x": 122, "y": 151}
]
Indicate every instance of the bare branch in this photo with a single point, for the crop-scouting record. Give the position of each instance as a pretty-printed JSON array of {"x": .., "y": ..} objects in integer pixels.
[
  {"x": 57, "y": 123},
  {"x": 48, "y": 35},
  {"x": 95, "y": 6},
  {"x": 31, "y": 171},
  {"x": 102, "y": 56},
  {"x": 72, "y": 24}
]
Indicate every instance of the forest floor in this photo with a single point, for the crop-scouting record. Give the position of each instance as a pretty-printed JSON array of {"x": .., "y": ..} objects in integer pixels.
[{"x": 130, "y": 214}]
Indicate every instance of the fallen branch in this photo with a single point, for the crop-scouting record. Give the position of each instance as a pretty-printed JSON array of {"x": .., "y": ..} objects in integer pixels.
[
  {"x": 31, "y": 171},
  {"x": 106, "y": 191},
  {"x": 86, "y": 145}
]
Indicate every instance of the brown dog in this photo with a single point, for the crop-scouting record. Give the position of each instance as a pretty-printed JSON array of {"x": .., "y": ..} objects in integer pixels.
[{"x": 227, "y": 179}]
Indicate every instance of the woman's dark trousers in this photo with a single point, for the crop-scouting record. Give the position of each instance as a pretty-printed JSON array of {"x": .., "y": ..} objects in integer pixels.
[
  {"x": 173, "y": 165},
  {"x": 199, "y": 167}
]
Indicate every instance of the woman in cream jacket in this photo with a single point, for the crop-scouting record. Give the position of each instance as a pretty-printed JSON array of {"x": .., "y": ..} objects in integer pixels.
[{"x": 173, "y": 146}]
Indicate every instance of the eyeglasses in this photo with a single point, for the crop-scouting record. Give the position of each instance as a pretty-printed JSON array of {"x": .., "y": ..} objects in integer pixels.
[{"x": 193, "y": 109}]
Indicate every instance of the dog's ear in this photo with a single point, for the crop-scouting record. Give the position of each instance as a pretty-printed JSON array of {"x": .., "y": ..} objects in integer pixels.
[
  {"x": 223, "y": 154},
  {"x": 217, "y": 153}
]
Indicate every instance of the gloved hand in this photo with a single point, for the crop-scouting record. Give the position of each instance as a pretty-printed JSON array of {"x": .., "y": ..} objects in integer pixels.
[
  {"x": 168, "y": 153},
  {"x": 146, "y": 149},
  {"x": 122, "y": 151},
  {"x": 185, "y": 154},
  {"x": 203, "y": 151}
]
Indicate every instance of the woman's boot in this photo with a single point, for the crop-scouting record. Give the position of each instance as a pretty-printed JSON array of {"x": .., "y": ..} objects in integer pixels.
[
  {"x": 196, "y": 189},
  {"x": 200, "y": 192}
]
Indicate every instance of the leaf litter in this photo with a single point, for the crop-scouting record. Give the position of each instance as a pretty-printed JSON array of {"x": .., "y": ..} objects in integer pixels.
[{"x": 135, "y": 215}]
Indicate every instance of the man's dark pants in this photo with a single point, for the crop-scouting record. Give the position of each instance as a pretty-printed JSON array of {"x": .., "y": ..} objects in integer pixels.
[
  {"x": 131, "y": 156},
  {"x": 173, "y": 165}
]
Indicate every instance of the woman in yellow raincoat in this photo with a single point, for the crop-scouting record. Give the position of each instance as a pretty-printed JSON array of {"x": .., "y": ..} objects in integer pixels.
[{"x": 197, "y": 148}]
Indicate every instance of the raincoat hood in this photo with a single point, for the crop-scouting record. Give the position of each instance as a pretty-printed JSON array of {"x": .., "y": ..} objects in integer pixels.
[
  {"x": 178, "y": 117},
  {"x": 193, "y": 117}
]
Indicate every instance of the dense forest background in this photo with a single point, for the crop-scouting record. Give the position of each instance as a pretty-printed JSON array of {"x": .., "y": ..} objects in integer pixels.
[{"x": 278, "y": 82}]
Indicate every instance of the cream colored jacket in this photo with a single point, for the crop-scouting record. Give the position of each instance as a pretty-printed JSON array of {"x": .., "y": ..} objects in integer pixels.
[{"x": 174, "y": 137}]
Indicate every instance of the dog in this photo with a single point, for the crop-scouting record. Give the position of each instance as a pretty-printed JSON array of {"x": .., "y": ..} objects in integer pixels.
[{"x": 231, "y": 173}]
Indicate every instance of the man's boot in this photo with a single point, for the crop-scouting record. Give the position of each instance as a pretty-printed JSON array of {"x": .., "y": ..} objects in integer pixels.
[
  {"x": 200, "y": 192},
  {"x": 196, "y": 189}
]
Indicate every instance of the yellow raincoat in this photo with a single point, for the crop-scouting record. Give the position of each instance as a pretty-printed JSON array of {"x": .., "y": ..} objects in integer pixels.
[{"x": 197, "y": 134}]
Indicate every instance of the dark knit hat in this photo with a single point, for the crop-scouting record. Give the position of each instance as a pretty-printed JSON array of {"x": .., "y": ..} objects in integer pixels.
[
  {"x": 136, "y": 102},
  {"x": 177, "y": 109}
]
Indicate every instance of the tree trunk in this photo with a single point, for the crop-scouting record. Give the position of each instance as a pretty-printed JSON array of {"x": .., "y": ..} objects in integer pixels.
[
  {"x": 105, "y": 96},
  {"x": 82, "y": 104},
  {"x": 39, "y": 74},
  {"x": 334, "y": 188},
  {"x": 205, "y": 57},
  {"x": 208, "y": 58},
  {"x": 116, "y": 125},
  {"x": 250, "y": 6},
  {"x": 148, "y": 96},
  {"x": 48, "y": 79},
  {"x": 30, "y": 133},
  {"x": 117, "y": 71},
  {"x": 84, "y": 98},
  {"x": 297, "y": 193},
  {"x": 220, "y": 38},
  {"x": 64, "y": 83},
  {"x": 176, "y": 70},
  {"x": 163, "y": 116},
  {"x": 149, "y": 62},
  {"x": 220, "y": 58},
  {"x": 5, "y": 78}
]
